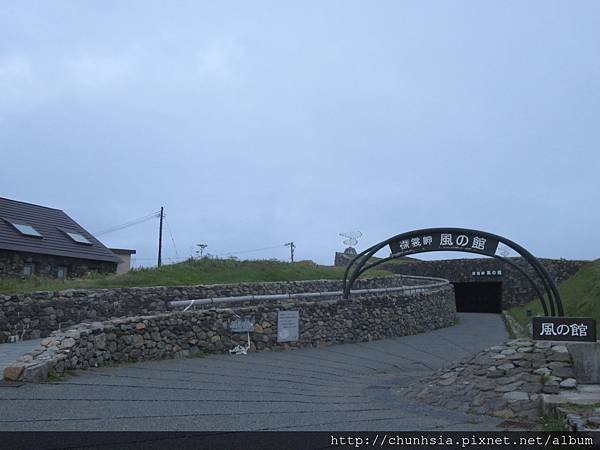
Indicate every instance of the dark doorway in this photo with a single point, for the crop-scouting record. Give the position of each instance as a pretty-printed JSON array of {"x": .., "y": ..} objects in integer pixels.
[{"x": 478, "y": 297}]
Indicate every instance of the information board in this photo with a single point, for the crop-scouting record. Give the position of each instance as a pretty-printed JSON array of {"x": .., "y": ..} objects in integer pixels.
[{"x": 288, "y": 326}]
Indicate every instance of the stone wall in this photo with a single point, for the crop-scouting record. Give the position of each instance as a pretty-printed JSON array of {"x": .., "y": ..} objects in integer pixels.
[
  {"x": 12, "y": 263},
  {"x": 34, "y": 315},
  {"x": 516, "y": 290},
  {"x": 509, "y": 381},
  {"x": 325, "y": 322}
]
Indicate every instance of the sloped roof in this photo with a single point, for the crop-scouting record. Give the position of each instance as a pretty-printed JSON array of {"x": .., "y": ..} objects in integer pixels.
[{"x": 52, "y": 224}]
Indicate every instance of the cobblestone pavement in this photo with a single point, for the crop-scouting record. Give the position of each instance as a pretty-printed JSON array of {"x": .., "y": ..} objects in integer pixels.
[
  {"x": 343, "y": 387},
  {"x": 505, "y": 381}
]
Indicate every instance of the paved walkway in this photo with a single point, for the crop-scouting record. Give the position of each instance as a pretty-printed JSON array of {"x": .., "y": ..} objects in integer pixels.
[
  {"x": 344, "y": 387},
  {"x": 10, "y": 352}
]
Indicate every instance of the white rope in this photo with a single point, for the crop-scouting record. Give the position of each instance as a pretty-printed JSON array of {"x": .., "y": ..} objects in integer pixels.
[
  {"x": 240, "y": 349},
  {"x": 190, "y": 305}
]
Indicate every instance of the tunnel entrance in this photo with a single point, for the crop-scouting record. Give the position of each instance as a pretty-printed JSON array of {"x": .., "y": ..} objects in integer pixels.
[
  {"x": 478, "y": 297},
  {"x": 461, "y": 240}
]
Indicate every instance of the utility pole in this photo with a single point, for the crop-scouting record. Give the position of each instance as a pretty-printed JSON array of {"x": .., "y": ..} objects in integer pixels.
[
  {"x": 162, "y": 214},
  {"x": 202, "y": 247},
  {"x": 292, "y": 247}
]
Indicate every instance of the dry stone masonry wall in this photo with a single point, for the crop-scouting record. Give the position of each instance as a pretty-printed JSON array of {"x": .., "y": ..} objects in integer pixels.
[
  {"x": 11, "y": 265},
  {"x": 506, "y": 381},
  {"x": 516, "y": 290},
  {"x": 30, "y": 316},
  {"x": 324, "y": 322}
]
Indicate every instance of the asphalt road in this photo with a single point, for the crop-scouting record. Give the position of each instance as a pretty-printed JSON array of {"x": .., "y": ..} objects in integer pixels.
[{"x": 343, "y": 387}]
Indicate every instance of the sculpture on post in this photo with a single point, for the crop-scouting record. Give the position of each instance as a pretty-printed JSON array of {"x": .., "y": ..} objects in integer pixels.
[{"x": 351, "y": 239}]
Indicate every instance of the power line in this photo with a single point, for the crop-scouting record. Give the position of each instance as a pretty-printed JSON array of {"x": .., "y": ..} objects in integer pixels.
[
  {"x": 172, "y": 239},
  {"x": 127, "y": 224},
  {"x": 178, "y": 258},
  {"x": 250, "y": 251},
  {"x": 154, "y": 259}
]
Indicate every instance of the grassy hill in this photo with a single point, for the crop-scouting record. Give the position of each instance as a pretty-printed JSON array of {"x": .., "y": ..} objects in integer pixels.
[
  {"x": 580, "y": 295},
  {"x": 204, "y": 271}
]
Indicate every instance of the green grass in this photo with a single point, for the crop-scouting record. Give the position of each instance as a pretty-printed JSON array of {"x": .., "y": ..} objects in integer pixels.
[
  {"x": 57, "y": 377},
  {"x": 396, "y": 261},
  {"x": 203, "y": 271},
  {"x": 400, "y": 260},
  {"x": 580, "y": 408},
  {"x": 553, "y": 422},
  {"x": 580, "y": 296},
  {"x": 545, "y": 378}
]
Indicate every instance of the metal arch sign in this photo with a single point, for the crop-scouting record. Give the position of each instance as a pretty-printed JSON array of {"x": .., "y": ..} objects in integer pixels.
[
  {"x": 438, "y": 241},
  {"x": 462, "y": 240}
]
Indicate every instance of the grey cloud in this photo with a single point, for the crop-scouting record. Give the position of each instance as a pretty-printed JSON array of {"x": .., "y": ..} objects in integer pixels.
[{"x": 259, "y": 123}]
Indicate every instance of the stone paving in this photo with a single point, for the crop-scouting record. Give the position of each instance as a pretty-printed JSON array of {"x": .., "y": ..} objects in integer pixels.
[
  {"x": 341, "y": 387},
  {"x": 505, "y": 381},
  {"x": 579, "y": 408}
]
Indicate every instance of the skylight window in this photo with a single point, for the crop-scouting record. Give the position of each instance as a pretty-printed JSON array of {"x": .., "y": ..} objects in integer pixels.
[
  {"x": 25, "y": 230},
  {"x": 79, "y": 238}
]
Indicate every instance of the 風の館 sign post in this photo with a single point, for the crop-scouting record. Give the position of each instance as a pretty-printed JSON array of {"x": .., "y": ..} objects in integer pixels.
[{"x": 574, "y": 329}]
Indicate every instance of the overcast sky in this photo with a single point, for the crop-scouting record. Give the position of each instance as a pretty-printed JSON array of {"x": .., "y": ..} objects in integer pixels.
[{"x": 259, "y": 123}]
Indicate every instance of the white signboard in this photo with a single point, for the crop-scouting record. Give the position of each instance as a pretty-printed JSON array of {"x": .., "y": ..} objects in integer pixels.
[
  {"x": 288, "y": 326},
  {"x": 242, "y": 325}
]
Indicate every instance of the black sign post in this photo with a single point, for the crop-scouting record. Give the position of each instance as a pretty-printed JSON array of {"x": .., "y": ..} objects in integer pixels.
[{"x": 578, "y": 329}]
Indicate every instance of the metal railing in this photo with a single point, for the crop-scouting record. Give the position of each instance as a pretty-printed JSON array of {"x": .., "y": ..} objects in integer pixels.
[{"x": 410, "y": 290}]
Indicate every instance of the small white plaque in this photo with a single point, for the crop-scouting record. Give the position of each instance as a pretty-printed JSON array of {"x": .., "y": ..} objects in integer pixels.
[{"x": 288, "y": 326}]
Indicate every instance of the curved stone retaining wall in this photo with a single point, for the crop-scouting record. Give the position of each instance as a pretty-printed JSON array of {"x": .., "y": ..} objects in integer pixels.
[
  {"x": 35, "y": 315},
  {"x": 516, "y": 290},
  {"x": 325, "y": 322}
]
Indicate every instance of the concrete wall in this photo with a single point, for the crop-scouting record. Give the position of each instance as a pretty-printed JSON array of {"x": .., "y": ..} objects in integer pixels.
[
  {"x": 125, "y": 266},
  {"x": 516, "y": 290},
  {"x": 125, "y": 255},
  {"x": 325, "y": 322},
  {"x": 34, "y": 315},
  {"x": 12, "y": 263}
]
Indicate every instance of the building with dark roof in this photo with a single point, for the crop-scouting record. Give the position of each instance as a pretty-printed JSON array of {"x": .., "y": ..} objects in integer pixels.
[{"x": 37, "y": 240}]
